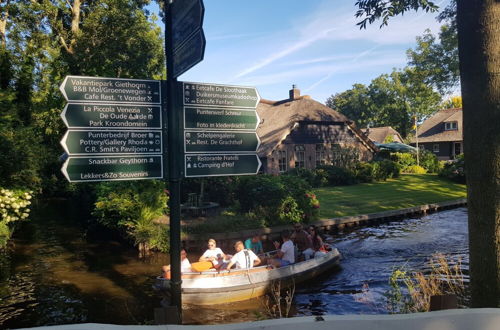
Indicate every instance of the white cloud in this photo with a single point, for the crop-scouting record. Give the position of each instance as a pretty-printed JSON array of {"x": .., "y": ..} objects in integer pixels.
[
  {"x": 333, "y": 22},
  {"x": 319, "y": 70}
]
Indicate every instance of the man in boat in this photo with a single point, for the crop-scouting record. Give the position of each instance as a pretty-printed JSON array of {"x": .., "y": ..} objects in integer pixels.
[
  {"x": 185, "y": 265},
  {"x": 286, "y": 254},
  {"x": 244, "y": 258},
  {"x": 303, "y": 241},
  {"x": 254, "y": 244}
]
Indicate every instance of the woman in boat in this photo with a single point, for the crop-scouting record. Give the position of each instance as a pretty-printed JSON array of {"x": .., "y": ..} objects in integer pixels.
[
  {"x": 213, "y": 254},
  {"x": 317, "y": 241},
  {"x": 185, "y": 265}
]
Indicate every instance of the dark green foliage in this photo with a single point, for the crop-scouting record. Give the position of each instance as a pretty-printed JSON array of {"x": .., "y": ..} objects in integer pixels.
[
  {"x": 275, "y": 199},
  {"x": 338, "y": 176},
  {"x": 134, "y": 208},
  {"x": 386, "y": 169},
  {"x": 315, "y": 178},
  {"x": 454, "y": 170}
]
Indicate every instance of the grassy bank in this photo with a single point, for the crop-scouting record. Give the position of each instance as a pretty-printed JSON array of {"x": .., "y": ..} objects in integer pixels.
[{"x": 407, "y": 191}]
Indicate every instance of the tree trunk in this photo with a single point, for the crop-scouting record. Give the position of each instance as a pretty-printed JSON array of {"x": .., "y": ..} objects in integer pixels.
[{"x": 479, "y": 54}]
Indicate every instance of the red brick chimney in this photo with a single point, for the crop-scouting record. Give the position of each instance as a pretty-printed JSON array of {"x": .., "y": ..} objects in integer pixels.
[{"x": 294, "y": 93}]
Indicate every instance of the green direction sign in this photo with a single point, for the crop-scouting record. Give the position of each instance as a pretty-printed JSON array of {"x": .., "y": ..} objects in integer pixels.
[
  {"x": 221, "y": 165},
  {"x": 84, "y": 169},
  {"x": 187, "y": 20},
  {"x": 217, "y": 141},
  {"x": 112, "y": 90},
  {"x": 189, "y": 54},
  {"x": 199, "y": 94},
  {"x": 101, "y": 115},
  {"x": 220, "y": 119},
  {"x": 112, "y": 142}
]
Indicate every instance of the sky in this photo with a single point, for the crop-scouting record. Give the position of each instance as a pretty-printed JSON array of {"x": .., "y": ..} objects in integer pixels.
[{"x": 315, "y": 44}]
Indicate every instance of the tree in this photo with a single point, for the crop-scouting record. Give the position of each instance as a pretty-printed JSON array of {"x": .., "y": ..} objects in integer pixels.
[
  {"x": 389, "y": 100},
  {"x": 354, "y": 103},
  {"x": 478, "y": 23}
]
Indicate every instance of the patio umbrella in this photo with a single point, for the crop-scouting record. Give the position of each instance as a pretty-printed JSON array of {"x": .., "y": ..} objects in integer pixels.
[{"x": 396, "y": 147}]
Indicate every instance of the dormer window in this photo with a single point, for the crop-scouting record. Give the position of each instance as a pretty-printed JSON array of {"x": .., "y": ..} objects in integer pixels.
[{"x": 451, "y": 125}]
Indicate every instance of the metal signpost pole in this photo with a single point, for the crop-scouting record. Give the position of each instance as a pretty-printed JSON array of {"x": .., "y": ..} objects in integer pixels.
[{"x": 173, "y": 167}]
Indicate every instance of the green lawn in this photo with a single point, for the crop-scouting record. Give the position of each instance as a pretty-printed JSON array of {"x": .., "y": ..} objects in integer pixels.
[{"x": 407, "y": 191}]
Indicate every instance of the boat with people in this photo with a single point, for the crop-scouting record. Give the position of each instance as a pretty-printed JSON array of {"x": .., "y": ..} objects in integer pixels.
[{"x": 225, "y": 286}]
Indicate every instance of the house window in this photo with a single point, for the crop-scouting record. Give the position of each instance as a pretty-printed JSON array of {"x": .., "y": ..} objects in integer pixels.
[
  {"x": 282, "y": 160},
  {"x": 452, "y": 125},
  {"x": 300, "y": 156},
  {"x": 320, "y": 155},
  {"x": 435, "y": 147}
]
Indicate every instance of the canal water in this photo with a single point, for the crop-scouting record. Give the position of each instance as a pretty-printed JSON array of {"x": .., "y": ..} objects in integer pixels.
[{"x": 57, "y": 273}]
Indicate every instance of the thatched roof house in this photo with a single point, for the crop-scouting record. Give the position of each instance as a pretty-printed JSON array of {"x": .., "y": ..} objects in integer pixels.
[
  {"x": 383, "y": 134},
  {"x": 300, "y": 132},
  {"x": 442, "y": 133}
]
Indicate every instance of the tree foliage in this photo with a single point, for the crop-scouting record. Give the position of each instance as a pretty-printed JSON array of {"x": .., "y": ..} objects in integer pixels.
[
  {"x": 389, "y": 100},
  {"x": 40, "y": 43}
]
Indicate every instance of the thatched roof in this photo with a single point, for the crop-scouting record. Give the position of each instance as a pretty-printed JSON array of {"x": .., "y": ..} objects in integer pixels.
[
  {"x": 279, "y": 118},
  {"x": 432, "y": 130},
  {"x": 378, "y": 134}
]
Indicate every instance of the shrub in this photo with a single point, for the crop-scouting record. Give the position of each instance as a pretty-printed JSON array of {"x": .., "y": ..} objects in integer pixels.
[
  {"x": 415, "y": 169},
  {"x": 364, "y": 172},
  {"x": 14, "y": 207},
  {"x": 275, "y": 199},
  {"x": 385, "y": 169},
  {"x": 132, "y": 208},
  {"x": 454, "y": 170},
  {"x": 337, "y": 176},
  {"x": 427, "y": 160}
]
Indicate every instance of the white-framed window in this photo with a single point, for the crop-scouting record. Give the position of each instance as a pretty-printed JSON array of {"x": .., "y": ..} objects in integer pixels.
[
  {"x": 320, "y": 155},
  {"x": 451, "y": 125},
  {"x": 300, "y": 156},
  {"x": 435, "y": 147},
  {"x": 282, "y": 160}
]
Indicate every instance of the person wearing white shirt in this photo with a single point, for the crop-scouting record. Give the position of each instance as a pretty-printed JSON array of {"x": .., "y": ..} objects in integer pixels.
[
  {"x": 286, "y": 254},
  {"x": 244, "y": 258},
  {"x": 213, "y": 254},
  {"x": 185, "y": 265}
]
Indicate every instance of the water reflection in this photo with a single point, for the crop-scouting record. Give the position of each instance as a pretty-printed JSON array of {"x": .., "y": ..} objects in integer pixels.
[{"x": 57, "y": 274}]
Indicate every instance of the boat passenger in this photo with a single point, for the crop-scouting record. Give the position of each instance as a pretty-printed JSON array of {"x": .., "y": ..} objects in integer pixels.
[
  {"x": 185, "y": 265},
  {"x": 286, "y": 254},
  {"x": 213, "y": 254},
  {"x": 244, "y": 258},
  {"x": 317, "y": 241},
  {"x": 254, "y": 244},
  {"x": 303, "y": 241}
]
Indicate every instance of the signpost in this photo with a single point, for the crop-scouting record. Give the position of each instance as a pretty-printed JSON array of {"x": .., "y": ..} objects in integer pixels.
[
  {"x": 217, "y": 141},
  {"x": 187, "y": 20},
  {"x": 113, "y": 168},
  {"x": 117, "y": 127},
  {"x": 112, "y": 142},
  {"x": 203, "y": 165},
  {"x": 225, "y": 118},
  {"x": 112, "y": 116},
  {"x": 111, "y": 90},
  {"x": 213, "y": 95},
  {"x": 220, "y": 124},
  {"x": 189, "y": 54}
]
